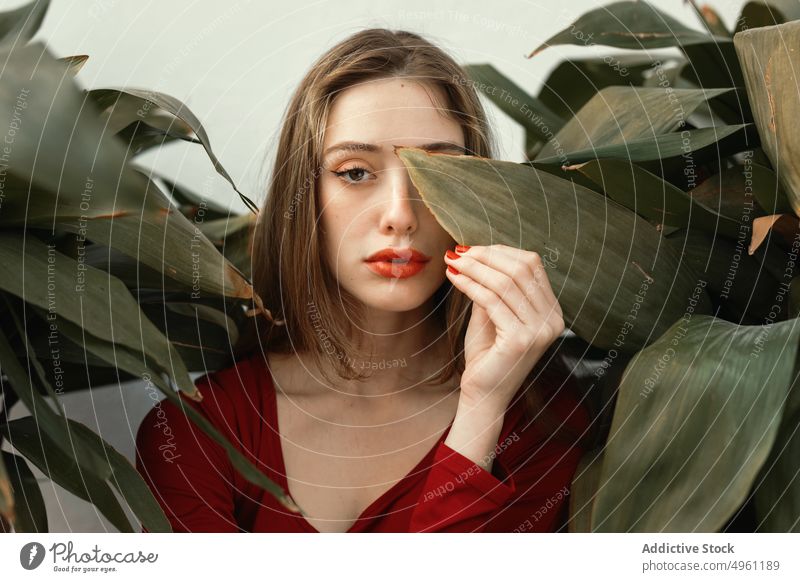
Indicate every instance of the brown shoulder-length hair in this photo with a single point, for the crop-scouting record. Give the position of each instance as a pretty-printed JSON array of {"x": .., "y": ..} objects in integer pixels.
[{"x": 304, "y": 306}]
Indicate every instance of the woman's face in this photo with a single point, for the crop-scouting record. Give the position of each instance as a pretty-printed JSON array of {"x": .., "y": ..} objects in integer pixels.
[{"x": 368, "y": 202}]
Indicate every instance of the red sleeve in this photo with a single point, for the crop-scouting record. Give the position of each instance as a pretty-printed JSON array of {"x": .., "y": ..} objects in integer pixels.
[
  {"x": 525, "y": 491},
  {"x": 458, "y": 494},
  {"x": 189, "y": 473}
]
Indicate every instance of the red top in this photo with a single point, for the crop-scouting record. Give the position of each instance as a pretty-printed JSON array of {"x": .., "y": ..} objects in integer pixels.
[{"x": 199, "y": 490}]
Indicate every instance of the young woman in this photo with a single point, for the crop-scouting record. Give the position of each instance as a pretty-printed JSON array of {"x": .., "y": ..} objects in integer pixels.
[{"x": 406, "y": 384}]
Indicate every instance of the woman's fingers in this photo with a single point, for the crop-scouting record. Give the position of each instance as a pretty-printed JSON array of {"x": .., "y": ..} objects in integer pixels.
[
  {"x": 519, "y": 279},
  {"x": 532, "y": 277},
  {"x": 543, "y": 302},
  {"x": 497, "y": 310},
  {"x": 504, "y": 280}
]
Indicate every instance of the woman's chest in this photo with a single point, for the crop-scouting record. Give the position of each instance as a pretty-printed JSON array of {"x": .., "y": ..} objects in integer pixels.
[{"x": 338, "y": 462}]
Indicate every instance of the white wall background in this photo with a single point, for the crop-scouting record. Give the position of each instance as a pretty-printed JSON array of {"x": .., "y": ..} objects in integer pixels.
[{"x": 235, "y": 65}]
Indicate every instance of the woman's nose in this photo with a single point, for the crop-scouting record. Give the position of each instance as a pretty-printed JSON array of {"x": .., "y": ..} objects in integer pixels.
[{"x": 399, "y": 213}]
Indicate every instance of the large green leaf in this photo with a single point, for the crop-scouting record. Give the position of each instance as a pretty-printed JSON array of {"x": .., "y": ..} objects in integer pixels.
[
  {"x": 142, "y": 100},
  {"x": 777, "y": 497},
  {"x": 233, "y": 236},
  {"x": 127, "y": 269},
  {"x": 769, "y": 67},
  {"x": 138, "y": 126},
  {"x": 167, "y": 242},
  {"x": 696, "y": 416},
  {"x": 20, "y": 24},
  {"x": 574, "y": 82},
  {"x": 39, "y": 448},
  {"x": 651, "y": 197},
  {"x": 539, "y": 121},
  {"x": 628, "y": 25},
  {"x": 203, "y": 335},
  {"x": 128, "y": 361},
  {"x": 90, "y": 298},
  {"x": 124, "y": 478},
  {"x": 583, "y": 491},
  {"x": 734, "y": 191},
  {"x": 193, "y": 205},
  {"x": 67, "y": 171},
  {"x": 51, "y": 422},
  {"x": 658, "y": 147},
  {"x": 30, "y": 513},
  {"x": 60, "y": 144},
  {"x": 617, "y": 282},
  {"x": 713, "y": 65},
  {"x": 160, "y": 238},
  {"x": 740, "y": 285},
  {"x": 618, "y": 115}
]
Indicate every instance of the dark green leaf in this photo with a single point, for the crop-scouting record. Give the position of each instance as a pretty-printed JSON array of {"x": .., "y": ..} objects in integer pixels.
[
  {"x": 658, "y": 147},
  {"x": 617, "y": 283},
  {"x": 193, "y": 205},
  {"x": 86, "y": 296},
  {"x": 147, "y": 100},
  {"x": 131, "y": 363},
  {"x": 777, "y": 498},
  {"x": 572, "y": 83},
  {"x": 30, "y": 513},
  {"x": 583, "y": 491},
  {"x": 696, "y": 416},
  {"x": 739, "y": 284},
  {"x": 769, "y": 69},
  {"x": 619, "y": 115},
  {"x": 539, "y": 122},
  {"x": 19, "y": 25},
  {"x": 628, "y": 25},
  {"x": 61, "y": 146},
  {"x": 51, "y": 422},
  {"x": 732, "y": 191},
  {"x": 127, "y": 481},
  {"x": 45, "y": 453},
  {"x": 653, "y": 198}
]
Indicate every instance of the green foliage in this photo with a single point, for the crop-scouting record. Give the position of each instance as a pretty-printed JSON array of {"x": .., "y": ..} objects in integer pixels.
[
  {"x": 656, "y": 188},
  {"x": 108, "y": 273}
]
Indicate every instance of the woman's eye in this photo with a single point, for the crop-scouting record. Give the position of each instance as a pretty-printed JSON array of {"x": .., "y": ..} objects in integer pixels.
[{"x": 353, "y": 175}]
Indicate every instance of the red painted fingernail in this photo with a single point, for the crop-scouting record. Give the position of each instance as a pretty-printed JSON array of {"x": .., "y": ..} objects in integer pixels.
[
  {"x": 453, "y": 270},
  {"x": 450, "y": 254},
  {"x": 462, "y": 248}
]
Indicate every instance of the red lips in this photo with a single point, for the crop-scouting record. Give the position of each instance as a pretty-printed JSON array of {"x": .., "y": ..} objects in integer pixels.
[
  {"x": 399, "y": 255},
  {"x": 397, "y": 263}
]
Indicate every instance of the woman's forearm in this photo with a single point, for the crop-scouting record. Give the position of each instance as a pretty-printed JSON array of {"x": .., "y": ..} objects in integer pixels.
[{"x": 476, "y": 429}]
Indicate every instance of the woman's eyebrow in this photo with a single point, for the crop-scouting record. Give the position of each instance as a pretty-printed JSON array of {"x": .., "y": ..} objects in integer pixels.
[
  {"x": 437, "y": 146},
  {"x": 443, "y": 146}
]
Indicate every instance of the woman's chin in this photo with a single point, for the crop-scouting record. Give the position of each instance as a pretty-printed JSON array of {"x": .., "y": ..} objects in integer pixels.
[{"x": 397, "y": 295}]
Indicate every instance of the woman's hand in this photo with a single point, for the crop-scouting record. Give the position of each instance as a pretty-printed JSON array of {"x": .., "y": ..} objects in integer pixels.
[{"x": 515, "y": 318}]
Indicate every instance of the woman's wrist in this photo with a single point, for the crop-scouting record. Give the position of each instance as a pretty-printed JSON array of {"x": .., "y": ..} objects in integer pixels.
[
  {"x": 476, "y": 429},
  {"x": 494, "y": 401}
]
